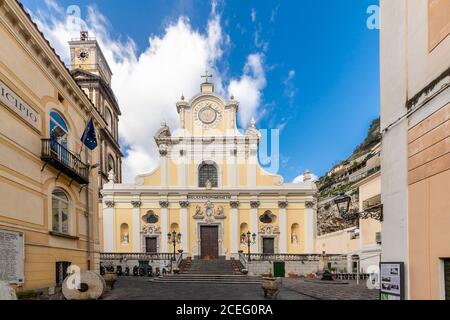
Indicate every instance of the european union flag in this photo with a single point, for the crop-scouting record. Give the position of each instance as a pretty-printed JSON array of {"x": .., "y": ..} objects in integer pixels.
[{"x": 89, "y": 138}]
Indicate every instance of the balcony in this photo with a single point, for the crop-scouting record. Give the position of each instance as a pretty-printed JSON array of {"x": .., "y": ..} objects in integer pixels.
[{"x": 56, "y": 155}]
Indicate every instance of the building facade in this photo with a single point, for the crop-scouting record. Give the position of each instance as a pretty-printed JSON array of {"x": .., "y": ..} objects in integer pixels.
[
  {"x": 415, "y": 115},
  {"x": 209, "y": 189},
  {"x": 93, "y": 74},
  {"x": 47, "y": 218},
  {"x": 361, "y": 243}
]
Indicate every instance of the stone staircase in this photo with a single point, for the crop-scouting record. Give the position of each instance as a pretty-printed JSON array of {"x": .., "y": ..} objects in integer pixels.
[
  {"x": 219, "y": 271},
  {"x": 215, "y": 267}
]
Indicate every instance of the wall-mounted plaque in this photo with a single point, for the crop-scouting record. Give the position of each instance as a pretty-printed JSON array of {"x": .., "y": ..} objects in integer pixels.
[
  {"x": 392, "y": 281},
  {"x": 12, "y": 256}
]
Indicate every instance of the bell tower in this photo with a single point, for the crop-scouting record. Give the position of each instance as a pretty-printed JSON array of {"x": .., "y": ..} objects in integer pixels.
[
  {"x": 86, "y": 54},
  {"x": 91, "y": 71}
]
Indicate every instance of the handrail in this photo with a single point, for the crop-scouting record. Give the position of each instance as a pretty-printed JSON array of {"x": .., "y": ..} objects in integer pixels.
[
  {"x": 179, "y": 259},
  {"x": 243, "y": 260}
]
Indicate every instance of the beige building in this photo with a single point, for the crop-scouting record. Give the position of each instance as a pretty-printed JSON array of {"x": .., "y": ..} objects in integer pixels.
[
  {"x": 362, "y": 243},
  {"x": 45, "y": 225},
  {"x": 415, "y": 118},
  {"x": 210, "y": 189}
]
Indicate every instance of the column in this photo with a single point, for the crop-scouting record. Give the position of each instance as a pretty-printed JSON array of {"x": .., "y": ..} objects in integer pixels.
[
  {"x": 252, "y": 165},
  {"x": 283, "y": 226},
  {"x": 108, "y": 227},
  {"x": 164, "y": 167},
  {"x": 234, "y": 228},
  {"x": 254, "y": 204},
  {"x": 136, "y": 225},
  {"x": 164, "y": 225},
  {"x": 184, "y": 220},
  {"x": 310, "y": 226}
]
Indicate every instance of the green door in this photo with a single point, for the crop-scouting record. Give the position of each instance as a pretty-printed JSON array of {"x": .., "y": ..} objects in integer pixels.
[
  {"x": 279, "y": 270},
  {"x": 144, "y": 265}
]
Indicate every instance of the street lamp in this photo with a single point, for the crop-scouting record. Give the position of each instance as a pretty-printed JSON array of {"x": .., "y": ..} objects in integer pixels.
[
  {"x": 174, "y": 238},
  {"x": 342, "y": 203},
  {"x": 249, "y": 239}
]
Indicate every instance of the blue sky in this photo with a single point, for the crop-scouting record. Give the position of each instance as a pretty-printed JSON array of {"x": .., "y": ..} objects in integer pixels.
[{"x": 321, "y": 64}]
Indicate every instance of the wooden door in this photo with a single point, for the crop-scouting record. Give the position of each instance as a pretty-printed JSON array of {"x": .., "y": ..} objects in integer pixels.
[
  {"x": 150, "y": 245},
  {"x": 268, "y": 245},
  {"x": 209, "y": 242}
]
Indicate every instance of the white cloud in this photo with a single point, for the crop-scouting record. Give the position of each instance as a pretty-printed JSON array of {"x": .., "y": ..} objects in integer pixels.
[
  {"x": 290, "y": 91},
  {"x": 149, "y": 84},
  {"x": 248, "y": 89},
  {"x": 301, "y": 177},
  {"x": 253, "y": 15}
]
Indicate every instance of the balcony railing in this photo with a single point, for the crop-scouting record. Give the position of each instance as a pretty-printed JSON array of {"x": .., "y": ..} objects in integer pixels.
[
  {"x": 137, "y": 256},
  {"x": 293, "y": 257},
  {"x": 67, "y": 162}
]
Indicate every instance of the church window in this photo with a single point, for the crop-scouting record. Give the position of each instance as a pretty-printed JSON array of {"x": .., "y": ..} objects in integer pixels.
[
  {"x": 267, "y": 217},
  {"x": 207, "y": 172},
  {"x": 109, "y": 120},
  {"x": 111, "y": 164},
  {"x": 151, "y": 217}
]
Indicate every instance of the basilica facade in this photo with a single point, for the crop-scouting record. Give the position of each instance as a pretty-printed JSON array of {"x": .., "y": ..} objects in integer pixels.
[{"x": 210, "y": 189}]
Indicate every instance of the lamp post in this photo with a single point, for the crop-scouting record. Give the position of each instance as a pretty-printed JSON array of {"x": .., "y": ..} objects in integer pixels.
[
  {"x": 174, "y": 239},
  {"x": 249, "y": 239},
  {"x": 342, "y": 203}
]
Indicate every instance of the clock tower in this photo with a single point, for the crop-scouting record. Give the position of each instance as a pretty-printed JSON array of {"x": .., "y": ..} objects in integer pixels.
[
  {"x": 86, "y": 54},
  {"x": 93, "y": 74}
]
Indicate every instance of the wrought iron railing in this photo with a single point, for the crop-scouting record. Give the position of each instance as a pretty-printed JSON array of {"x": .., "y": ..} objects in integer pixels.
[
  {"x": 62, "y": 159},
  {"x": 136, "y": 256}
]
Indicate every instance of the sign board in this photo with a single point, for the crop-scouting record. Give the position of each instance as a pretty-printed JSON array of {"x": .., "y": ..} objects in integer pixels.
[
  {"x": 392, "y": 281},
  {"x": 12, "y": 257},
  {"x": 11, "y": 100}
]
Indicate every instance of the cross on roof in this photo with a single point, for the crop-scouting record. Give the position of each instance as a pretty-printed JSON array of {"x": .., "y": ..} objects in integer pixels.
[{"x": 206, "y": 76}]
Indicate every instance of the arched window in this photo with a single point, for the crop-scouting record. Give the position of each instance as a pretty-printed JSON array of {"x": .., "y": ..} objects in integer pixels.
[
  {"x": 59, "y": 132},
  {"x": 109, "y": 120},
  {"x": 60, "y": 211},
  {"x": 207, "y": 172},
  {"x": 111, "y": 164}
]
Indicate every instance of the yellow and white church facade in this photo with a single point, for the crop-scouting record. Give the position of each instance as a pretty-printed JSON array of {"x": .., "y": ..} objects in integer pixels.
[{"x": 210, "y": 189}]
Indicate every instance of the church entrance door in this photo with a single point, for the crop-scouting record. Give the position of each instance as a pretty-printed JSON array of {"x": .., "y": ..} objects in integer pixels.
[
  {"x": 209, "y": 238},
  {"x": 268, "y": 245},
  {"x": 150, "y": 245}
]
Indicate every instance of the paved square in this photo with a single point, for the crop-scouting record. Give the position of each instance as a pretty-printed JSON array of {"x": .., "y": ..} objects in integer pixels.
[{"x": 132, "y": 288}]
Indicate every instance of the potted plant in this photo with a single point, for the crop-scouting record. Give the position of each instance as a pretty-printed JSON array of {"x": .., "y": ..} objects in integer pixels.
[
  {"x": 110, "y": 279},
  {"x": 271, "y": 287}
]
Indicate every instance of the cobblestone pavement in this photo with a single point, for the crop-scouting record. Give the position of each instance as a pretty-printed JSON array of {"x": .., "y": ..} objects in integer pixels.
[
  {"x": 323, "y": 291},
  {"x": 131, "y": 288}
]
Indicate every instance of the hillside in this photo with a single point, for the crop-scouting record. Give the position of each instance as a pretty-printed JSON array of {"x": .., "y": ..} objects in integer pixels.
[{"x": 364, "y": 161}]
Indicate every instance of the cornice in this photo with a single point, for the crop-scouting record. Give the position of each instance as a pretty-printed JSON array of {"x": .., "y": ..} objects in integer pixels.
[{"x": 19, "y": 23}]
